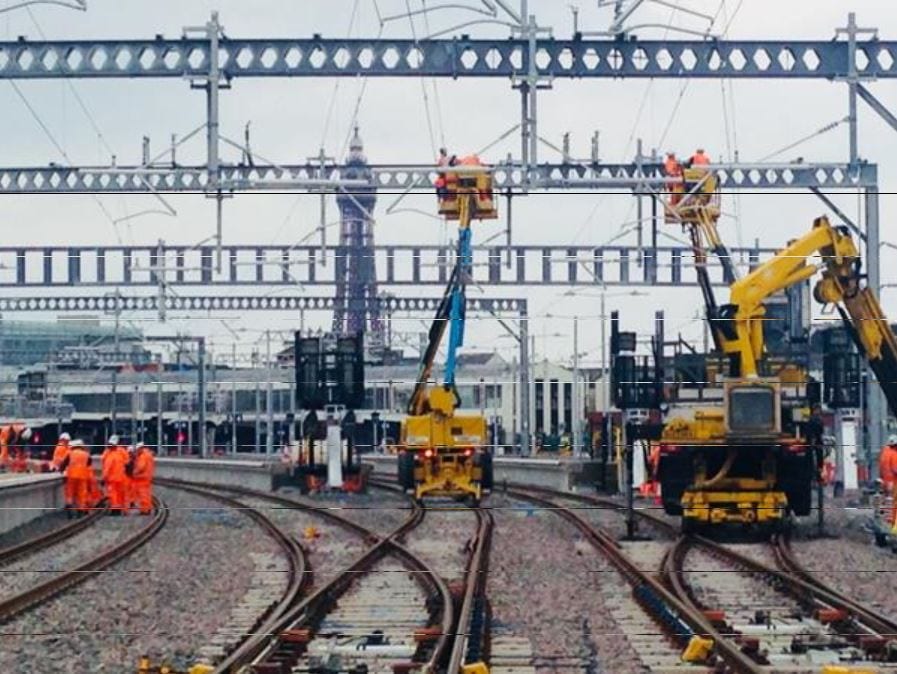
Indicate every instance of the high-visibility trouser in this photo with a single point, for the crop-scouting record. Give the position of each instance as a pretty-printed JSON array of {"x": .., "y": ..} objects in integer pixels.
[
  {"x": 80, "y": 489},
  {"x": 95, "y": 494},
  {"x": 143, "y": 491},
  {"x": 68, "y": 492},
  {"x": 116, "y": 492}
]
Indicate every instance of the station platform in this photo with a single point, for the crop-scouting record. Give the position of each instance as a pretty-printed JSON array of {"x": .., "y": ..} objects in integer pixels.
[
  {"x": 27, "y": 496},
  {"x": 249, "y": 473},
  {"x": 553, "y": 473}
]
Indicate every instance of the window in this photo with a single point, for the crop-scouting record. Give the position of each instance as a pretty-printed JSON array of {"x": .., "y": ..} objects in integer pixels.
[
  {"x": 752, "y": 408},
  {"x": 555, "y": 412},
  {"x": 568, "y": 406},
  {"x": 540, "y": 405}
]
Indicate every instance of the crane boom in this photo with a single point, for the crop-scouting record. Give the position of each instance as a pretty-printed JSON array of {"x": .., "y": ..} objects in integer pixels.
[
  {"x": 842, "y": 285},
  {"x": 450, "y": 312}
]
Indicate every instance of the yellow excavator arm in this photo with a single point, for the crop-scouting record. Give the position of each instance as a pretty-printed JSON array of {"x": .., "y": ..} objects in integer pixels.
[{"x": 740, "y": 323}]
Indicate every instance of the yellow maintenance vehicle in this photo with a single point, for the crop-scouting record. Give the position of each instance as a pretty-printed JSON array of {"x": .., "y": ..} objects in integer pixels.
[
  {"x": 746, "y": 460},
  {"x": 442, "y": 453}
]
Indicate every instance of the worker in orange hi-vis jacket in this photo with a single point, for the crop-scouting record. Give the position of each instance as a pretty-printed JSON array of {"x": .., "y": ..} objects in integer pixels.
[
  {"x": 12, "y": 435},
  {"x": 887, "y": 464},
  {"x": 61, "y": 451},
  {"x": 130, "y": 486},
  {"x": 95, "y": 493},
  {"x": 77, "y": 474},
  {"x": 60, "y": 454},
  {"x": 117, "y": 480},
  {"x": 143, "y": 472},
  {"x": 111, "y": 446}
]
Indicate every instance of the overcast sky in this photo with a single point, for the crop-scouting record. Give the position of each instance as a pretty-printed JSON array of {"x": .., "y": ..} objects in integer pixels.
[{"x": 292, "y": 119}]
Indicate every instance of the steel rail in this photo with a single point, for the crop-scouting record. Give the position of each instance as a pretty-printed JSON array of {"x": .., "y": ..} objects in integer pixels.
[
  {"x": 881, "y": 624},
  {"x": 474, "y": 590},
  {"x": 30, "y": 598},
  {"x": 312, "y": 608},
  {"x": 794, "y": 579},
  {"x": 728, "y": 651},
  {"x": 43, "y": 541},
  {"x": 300, "y": 572},
  {"x": 475, "y": 580}
]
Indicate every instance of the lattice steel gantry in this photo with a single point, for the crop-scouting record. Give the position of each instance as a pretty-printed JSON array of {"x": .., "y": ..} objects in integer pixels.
[{"x": 531, "y": 58}]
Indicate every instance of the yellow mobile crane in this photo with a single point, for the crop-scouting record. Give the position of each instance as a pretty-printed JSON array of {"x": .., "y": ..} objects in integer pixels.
[
  {"x": 442, "y": 453},
  {"x": 745, "y": 461}
]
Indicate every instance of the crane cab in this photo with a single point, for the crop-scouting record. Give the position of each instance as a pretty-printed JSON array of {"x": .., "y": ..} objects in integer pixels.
[
  {"x": 469, "y": 179},
  {"x": 694, "y": 198}
]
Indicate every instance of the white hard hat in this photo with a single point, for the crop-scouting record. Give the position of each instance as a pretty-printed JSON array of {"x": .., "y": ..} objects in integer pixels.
[
  {"x": 26, "y": 434},
  {"x": 140, "y": 445},
  {"x": 892, "y": 439},
  {"x": 77, "y": 443},
  {"x": 65, "y": 436},
  {"x": 113, "y": 440}
]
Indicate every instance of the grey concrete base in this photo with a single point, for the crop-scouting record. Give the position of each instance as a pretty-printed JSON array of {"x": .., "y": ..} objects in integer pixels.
[
  {"x": 239, "y": 473},
  {"x": 562, "y": 474},
  {"x": 27, "y": 497}
]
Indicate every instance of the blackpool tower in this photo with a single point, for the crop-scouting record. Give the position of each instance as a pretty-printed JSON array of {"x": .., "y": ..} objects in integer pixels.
[{"x": 356, "y": 307}]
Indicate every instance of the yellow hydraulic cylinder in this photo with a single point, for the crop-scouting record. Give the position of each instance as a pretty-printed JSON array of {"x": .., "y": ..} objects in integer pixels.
[
  {"x": 698, "y": 649},
  {"x": 475, "y": 668},
  {"x": 201, "y": 669}
]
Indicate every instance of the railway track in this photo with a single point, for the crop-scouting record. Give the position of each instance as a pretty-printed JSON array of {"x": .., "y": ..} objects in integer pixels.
[
  {"x": 826, "y": 625},
  {"x": 261, "y": 613},
  {"x": 45, "y": 540},
  {"x": 777, "y": 622},
  {"x": 358, "y": 604},
  {"x": 36, "y": 594},
  {"x": 471, "y": 628}
]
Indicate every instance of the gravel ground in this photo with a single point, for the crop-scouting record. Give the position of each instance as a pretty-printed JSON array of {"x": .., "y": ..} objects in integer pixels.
[
  {"x": 186, "y": 579},
  {"x": 36, "y": 527},
  {"x": 440, "y": 540},
  {"x": 378, "y": 510},
  {"x": 544, "y": 585},
  {"x": 27, "y": 572},
  {"x": 849, "y": 563},
  {"x": 330, "y": 552}
]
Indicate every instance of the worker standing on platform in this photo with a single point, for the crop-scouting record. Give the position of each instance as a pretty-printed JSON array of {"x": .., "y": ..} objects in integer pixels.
[
  {"x": 77, "y": 476},
  {"x": 12, "y": 435},
  {"x": 887, "y": 464},
  {"x": 673, "y": 169},
  {"x": 698, "y": 162},
  {"x": 699, "y": 159},
  {"x": 144, "y": 470}
]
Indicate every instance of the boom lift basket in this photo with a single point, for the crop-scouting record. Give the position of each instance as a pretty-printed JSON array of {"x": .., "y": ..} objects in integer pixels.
[
  {"x": 696, "y": 195},
  {"x": 478, "y": 181}
]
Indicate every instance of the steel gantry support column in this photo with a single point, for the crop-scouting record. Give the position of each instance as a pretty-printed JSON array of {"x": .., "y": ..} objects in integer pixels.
[
  {"x": 201, "y": 395},
  {"x": 212, "y": 31},
  {"x": 525, "y": 383},
  {"x": 877, "y": 410}
]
